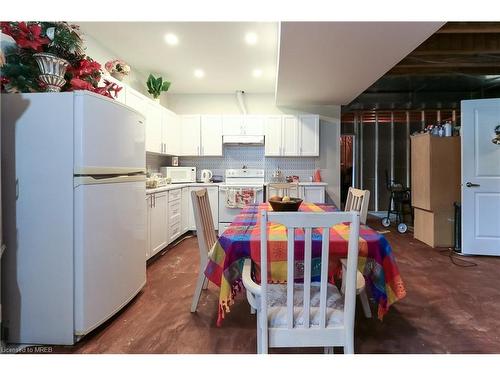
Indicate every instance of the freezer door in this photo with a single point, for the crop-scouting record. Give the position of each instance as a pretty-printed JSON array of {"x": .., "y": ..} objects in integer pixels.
[
  {"x": 109, "y": 136},
  {"x": 110, "y": 241}
]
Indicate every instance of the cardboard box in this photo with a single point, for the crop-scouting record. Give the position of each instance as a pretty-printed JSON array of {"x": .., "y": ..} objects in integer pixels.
[{"x": 434, "y": 229}]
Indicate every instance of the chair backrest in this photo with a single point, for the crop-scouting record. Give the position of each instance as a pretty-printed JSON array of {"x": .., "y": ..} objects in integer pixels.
[
  {"x": 205, "y": 230},
  {"x": 358, "y": 200},
  {"x": 283, "y": 188},
  {"x": 309, "y": 221}
]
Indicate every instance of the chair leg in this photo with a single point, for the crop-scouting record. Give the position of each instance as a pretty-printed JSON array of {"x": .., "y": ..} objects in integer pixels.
[
  {"x": 349, "y": 344},
  {"x": 329, "y": 350},
  {"x": 364, "y": 302},
  {"x": 259, "y": 336},
  {"x": 252, "y": 310},
  {"x": 197, "y": 291},
  {"x": 205, "y": 284}
]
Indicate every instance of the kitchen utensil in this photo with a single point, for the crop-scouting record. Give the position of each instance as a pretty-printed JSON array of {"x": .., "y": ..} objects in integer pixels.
[{"x": 206, "y": 175}]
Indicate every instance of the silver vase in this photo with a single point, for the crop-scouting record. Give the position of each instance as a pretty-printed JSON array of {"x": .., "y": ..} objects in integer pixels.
[{"x": 53, "y": 69}]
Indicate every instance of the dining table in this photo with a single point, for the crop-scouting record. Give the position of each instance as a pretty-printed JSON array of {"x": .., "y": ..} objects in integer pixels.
[{"x": 241, "y": 240}]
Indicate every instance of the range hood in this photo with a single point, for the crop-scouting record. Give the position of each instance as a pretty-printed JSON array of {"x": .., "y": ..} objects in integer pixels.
[{"x": 243, "y": 139}]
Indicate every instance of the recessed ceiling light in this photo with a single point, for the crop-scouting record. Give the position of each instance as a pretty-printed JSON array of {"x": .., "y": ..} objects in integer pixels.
[
  {"x": 171, "y": 39},
  {"x": 257, "y": 73},
  {"x": 199, "y": 73},
  {"x": 251, "y": 38}
]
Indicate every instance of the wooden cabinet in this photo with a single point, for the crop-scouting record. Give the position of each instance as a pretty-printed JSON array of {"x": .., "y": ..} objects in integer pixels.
[
  {"x": 211, "y": 135},
  {"x": 292, "y": 135},
  {"x": 435, "y": 171},
  {"x": 435, "y": 186},
  {"x": 157, "y": 222}
]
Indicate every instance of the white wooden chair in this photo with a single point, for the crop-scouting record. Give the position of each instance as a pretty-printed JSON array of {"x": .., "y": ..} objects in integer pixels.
[
  {"x": 277, "y": 188},
  {"x": 207, "y": 238},
  {"x": 312, "y": 313},
  {"x": 358, "y": 200}
]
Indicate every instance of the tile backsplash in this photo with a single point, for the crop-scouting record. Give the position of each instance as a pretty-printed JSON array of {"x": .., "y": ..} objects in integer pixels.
[{"x": 238, "y": 156}]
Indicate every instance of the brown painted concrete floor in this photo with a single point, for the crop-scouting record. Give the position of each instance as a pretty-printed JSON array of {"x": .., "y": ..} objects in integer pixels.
[{"x": 448, "y": 309}]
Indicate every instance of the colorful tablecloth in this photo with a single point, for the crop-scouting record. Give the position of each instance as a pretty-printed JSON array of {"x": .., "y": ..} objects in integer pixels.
[{"x": 242, "y": 240}]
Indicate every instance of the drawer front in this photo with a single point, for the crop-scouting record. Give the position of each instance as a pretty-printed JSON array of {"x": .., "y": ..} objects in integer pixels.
[
  {"x": 174, "y": 210},
  {"x": 174, "y": 230},
  {"x": 174, "y": 195}
]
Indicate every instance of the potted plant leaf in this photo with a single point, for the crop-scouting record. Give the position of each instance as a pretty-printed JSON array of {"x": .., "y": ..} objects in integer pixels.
[{"x": 156, "y": 86}]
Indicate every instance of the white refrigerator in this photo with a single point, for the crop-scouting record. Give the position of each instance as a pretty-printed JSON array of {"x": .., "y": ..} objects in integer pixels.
[{"x": 74, "y": 214}]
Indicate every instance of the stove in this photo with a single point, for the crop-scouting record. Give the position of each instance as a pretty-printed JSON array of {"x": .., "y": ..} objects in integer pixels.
[{"x": 238, "y": 179}]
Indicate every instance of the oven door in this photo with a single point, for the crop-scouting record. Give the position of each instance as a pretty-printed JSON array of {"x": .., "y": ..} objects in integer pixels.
[{"x": 227, "y": 214}]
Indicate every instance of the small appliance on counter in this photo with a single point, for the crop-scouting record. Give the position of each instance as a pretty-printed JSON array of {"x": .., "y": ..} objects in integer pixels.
[
  {"x": 179, "y": 175},
  {"x": 206, "y": 175}
]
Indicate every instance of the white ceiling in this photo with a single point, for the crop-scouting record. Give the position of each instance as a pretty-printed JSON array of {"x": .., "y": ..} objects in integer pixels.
[
  {"x": 218, "y": 48},
  {"x": 333, "y": 62}
]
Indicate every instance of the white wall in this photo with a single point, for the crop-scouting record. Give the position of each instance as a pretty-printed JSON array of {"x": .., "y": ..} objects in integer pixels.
[
  {"x": 329, "y": 155},
  {"x": 221, "y": 104},
  {"x": 102, "y": 54}
]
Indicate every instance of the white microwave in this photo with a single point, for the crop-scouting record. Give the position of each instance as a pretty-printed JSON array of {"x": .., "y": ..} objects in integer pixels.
[{"x": 179, "y": 174}]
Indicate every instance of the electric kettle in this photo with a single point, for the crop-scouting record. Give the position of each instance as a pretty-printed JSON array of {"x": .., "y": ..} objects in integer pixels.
[{"x": 206, "y": 175}]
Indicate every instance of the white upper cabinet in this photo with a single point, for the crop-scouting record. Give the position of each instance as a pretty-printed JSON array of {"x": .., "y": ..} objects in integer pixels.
[
  {"x": 273, "y": 129},
  {"x": 290, "y": 136},
  {"x": 211, "y": 135},
  {"x": 309, "y": 135},
  {"x": 171, "y": 133},
  {"x": 153, "y": 127},
  {"x": 253, "y": 125},
  {"x": 190, "y": 135},
  {"x": 232, "y": 125}
]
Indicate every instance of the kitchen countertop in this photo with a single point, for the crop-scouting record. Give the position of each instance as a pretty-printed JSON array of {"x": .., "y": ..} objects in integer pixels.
[
  {"x": 204, "y": 184},
  {"x": 303, "y": 183},
  {"x": 180, "y": 186}
]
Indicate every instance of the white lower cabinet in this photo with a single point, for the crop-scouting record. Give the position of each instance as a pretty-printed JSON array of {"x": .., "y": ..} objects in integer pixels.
[
  {"x": 157, "y": 222},
  {"x": 185, "y": 205},
  {"x": 174, "y": 214},
  {"x": 213, "y": 198},
  {"x": 313, "y": 194}
]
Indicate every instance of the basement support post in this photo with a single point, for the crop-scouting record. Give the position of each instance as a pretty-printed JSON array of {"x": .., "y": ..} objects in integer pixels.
[
  {"x": 375, "y": 159},
  {"x": 361, "y": 184},
  {"x": 392, "y": 149},
  {"x": 407, "y": 148}
]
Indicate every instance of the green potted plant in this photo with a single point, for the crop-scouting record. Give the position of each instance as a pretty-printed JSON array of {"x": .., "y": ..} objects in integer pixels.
[{"x": 156, "y": 86}]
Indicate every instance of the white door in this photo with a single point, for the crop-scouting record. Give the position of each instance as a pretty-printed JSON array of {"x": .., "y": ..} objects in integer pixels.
[
  {"x": 190, "y": 135},
  {"x": 211, "y": 135},
  {"x": 171, "y": 133},
  {"x": 159, "y": 222},
  {"x": 110, "y": 236},
  {"x": 309, "y": 135},
  {"x": 232, "y": 125},
  {"x": 273, "y": 127},
  {"x": 480, "y": 177},
  {"x": 254, "y": 125},
  {"x": 109, "y": 137},
  {"x": 153, "y": 127},
  {"x": 290, "y": 136}
]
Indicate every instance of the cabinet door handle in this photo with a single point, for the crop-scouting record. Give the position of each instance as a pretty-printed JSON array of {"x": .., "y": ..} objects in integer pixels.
[{"x": 17, "y": 189}]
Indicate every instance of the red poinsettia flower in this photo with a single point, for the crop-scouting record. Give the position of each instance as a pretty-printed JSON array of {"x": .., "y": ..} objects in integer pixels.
[
  {"x": 6, "y": 28},
  {"x": 80, "y": 84},
  {"x": 29, "y": 36}
]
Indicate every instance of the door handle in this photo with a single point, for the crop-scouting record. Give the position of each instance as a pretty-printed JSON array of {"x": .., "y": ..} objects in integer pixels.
[{"x": 470, "y": 184}]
